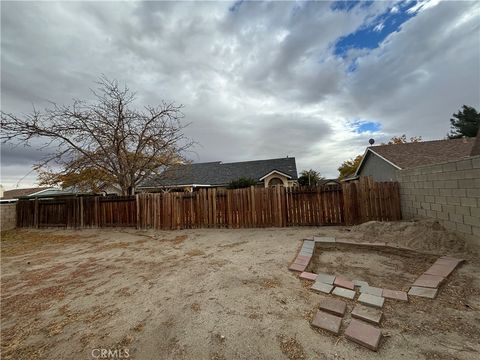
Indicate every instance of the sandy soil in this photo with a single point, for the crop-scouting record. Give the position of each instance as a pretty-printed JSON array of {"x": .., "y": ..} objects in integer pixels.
[{"x": 210, "y": 294}]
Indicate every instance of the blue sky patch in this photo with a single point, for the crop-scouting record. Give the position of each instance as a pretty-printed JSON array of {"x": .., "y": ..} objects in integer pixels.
[
  {"x": 372, "y": 35},
  {"x": 362, "y": 126}
]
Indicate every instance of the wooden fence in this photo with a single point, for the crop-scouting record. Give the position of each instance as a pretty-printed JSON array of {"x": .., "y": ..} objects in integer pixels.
[{"x": 351, "y": 203}]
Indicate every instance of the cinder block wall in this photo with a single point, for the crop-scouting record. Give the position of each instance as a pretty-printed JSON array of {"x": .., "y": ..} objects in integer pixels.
[
  {"x": 449, "y": 192},
  {"x": 8, "y": 216}
]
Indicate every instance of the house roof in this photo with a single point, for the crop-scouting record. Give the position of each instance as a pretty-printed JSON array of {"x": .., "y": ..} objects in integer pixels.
[
  {"x": 16, "y": 193},
  {"x": 408, "y": 155},
  {"x": 218, "y": 173}
]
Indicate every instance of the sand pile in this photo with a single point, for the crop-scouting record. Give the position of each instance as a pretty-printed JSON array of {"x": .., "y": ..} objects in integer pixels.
[{"x": 424, "y": 235}]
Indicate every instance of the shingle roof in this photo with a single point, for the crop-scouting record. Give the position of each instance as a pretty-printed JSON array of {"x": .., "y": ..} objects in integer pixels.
[
  {"x": 414, "y": 154},
  {"x": 218, "y": 173},
  {"x": 16, "y": 193}
]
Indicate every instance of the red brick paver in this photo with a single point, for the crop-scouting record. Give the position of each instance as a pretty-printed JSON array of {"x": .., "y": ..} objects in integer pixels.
[
  {"x": 327, "y": 322},
  {"x": 344, "y": 283},
  {"x": 441, "y": 270},
  {"x": 297, "y": 267},
  {"x": 428, "y": 281},
  {"x": 395, "y": 294},
  {"x": 302, "y": 260},
  {"x": 336, "y": 307},
  {"x": 308, "y": 276},
  {"x": 364, "y": 334}
]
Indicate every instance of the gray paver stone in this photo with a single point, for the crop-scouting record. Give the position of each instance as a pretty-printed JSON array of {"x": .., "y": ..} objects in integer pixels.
[
  {"x": 324, "y": 288},
  {"x": 423, "y": 292},
  {"x": 371, "y": 290},
  {"x": 325, "y": 278},
  {"x": 348, "y": 294},
  {"x": 367, "y": 313},
  {"x": 371, "y": 300}
]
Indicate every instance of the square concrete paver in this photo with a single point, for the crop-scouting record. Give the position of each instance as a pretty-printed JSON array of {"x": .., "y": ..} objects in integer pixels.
[
  {"x": 371, "y": 290},
  {"x": 308, "y": 276},
  {"x": 297, "y": 267},
  {"x": 336, "y": 307},
  {"x": 367, "y": 313},
  {"x": 429, "y": 281},
  {"x": 442, "y": 270},
  {"x": 325, "y": 278},
  {"x": 324, "y": 239},
  {"x": 423, "y": 292},
  {"x": 344, "y": 283},
  {"x": 395, "y": 294},
  {"x": 346, "y": 293},
  {"x": 327, "y": 322},
  {"x": 360, "y": 283},
  {"x": 371, "y": 300},
  {"x": 324, "y": 288},
  {"x": 364, "y": 334}
]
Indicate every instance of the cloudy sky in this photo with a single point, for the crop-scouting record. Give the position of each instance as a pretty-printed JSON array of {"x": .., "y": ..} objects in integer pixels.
[{"x": 314, "y": 80}]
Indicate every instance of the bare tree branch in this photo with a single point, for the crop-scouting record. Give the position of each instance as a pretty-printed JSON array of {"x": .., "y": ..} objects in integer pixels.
[{"x": 107, "y": 138}]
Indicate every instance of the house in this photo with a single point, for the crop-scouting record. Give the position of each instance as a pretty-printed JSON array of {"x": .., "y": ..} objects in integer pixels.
[
  {"x": 381, "y": 162},
  {"x": 269, "y": 172},
  {"x": 13, "y": 195}
]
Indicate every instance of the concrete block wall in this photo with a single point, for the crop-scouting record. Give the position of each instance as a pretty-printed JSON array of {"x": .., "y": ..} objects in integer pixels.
[
  {"x": 8, "y": 216},
  {"x": 449, "y": 192}
]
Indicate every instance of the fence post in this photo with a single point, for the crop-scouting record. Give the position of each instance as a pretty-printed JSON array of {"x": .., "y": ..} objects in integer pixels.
[{"x": 35, "y": 214}]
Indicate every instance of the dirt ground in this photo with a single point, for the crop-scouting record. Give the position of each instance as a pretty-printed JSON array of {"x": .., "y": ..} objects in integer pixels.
[{"x": 219, "y": 294}]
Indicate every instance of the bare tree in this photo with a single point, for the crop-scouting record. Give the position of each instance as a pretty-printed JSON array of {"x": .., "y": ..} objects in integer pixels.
[{"x": 107, "y": 138}]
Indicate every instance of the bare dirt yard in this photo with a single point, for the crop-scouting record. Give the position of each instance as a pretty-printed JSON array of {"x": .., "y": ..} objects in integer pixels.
[{"x": 223, "y": 294}]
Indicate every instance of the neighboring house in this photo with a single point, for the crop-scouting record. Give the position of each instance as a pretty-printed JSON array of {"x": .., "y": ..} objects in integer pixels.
[
  {"x": 323, "y": 182},
  {"x": 381, "y": 162},
  {"x": 13, "y": 195},
  {"x": 188, "y": 177}
]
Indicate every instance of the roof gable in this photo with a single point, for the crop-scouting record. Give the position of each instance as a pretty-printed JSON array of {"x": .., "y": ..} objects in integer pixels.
[{"x": 408, "y": 155}]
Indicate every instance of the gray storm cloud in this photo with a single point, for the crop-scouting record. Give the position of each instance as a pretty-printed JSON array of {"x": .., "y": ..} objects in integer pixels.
[{"x": 257, "y": 79}]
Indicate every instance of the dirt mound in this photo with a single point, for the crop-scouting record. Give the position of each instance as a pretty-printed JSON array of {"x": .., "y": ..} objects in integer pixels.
[{"x": 424, "y": 235}]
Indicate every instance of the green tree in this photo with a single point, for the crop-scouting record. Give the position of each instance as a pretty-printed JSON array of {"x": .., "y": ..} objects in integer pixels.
[
  {"x": 349, "y": 167},
  {"x": 242, "y": 183},
  {"x": 309, "y": 178},
  {"x": 464, "y": 123}
]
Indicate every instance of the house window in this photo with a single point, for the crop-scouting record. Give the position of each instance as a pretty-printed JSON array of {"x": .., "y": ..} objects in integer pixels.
[{"x": 275, "y": 181}]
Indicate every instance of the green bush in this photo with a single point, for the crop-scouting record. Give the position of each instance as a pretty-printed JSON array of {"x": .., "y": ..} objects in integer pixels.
[{"x": 242, "y": 183}]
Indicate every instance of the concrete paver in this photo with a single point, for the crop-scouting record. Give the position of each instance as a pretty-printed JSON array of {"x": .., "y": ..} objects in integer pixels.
[
  {"x": 322, "y": 287},
  {"x": 327, "y": 322},
  {"x": 367, "y": 313},
  {"x": 429, "y": 281},
  {"x": 308, "y": 276},
  {"x": 346, "y": 293},
  {"x": 334, "y": 306},
  {"x": 364, "y": 334},
  {"x": 395, "y": 294},
  {"x": 325, "y": 278},
  {"x": 371, "y": 290},
  {"x": 423, "y": 292},
  {"x": 344, "y": 283},
  {"x": 371, "y": 300}
]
